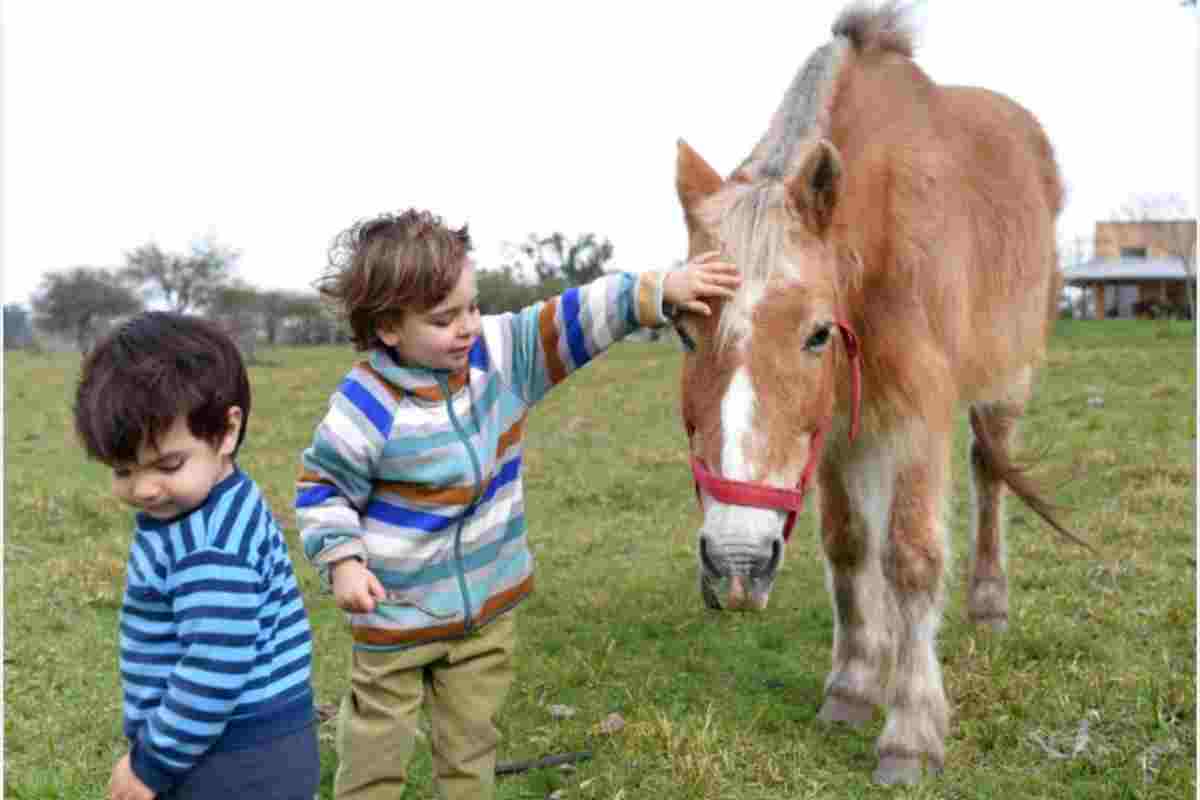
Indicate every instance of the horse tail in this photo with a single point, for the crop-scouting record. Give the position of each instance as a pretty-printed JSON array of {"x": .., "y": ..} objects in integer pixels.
[{"x": 997, "y": 462}]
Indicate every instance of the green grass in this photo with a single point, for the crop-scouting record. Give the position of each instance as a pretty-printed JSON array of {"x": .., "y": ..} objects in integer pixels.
[{"x": 716, "y": 705}]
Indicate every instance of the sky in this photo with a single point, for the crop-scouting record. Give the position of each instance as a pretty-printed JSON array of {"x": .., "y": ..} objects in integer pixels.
[{"x": 271, "y": 126}]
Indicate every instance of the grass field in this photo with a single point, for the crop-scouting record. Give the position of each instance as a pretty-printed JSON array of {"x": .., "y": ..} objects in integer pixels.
[{"x": 1091, "y": 694}]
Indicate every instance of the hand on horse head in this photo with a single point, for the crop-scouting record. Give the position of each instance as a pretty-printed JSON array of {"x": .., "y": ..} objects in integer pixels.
[{"x": 705, "y": 276}]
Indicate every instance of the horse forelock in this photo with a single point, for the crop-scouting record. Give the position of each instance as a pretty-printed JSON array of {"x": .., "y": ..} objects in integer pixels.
[
  {"x": 759, "y": 232},
  {"x": 754, "y": 235}
]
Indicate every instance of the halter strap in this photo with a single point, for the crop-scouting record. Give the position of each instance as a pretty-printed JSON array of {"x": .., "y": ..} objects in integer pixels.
[
  {"x": 760, "y": 495},
  {"x": 852, "y": 352}
]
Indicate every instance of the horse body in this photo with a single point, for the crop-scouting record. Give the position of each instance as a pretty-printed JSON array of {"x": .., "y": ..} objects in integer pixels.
[{"x": 922, "y": 218}]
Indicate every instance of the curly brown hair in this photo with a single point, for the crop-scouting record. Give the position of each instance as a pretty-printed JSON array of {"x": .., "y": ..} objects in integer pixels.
[{"x": 383, "y": 267}]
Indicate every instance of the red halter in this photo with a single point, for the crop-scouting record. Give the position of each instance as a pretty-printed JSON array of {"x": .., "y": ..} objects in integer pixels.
[{"x": 759, "y": 495}]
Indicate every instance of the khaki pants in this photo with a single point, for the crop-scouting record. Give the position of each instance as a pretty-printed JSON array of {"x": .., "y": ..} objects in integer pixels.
[{"x": 461, "y": 682}]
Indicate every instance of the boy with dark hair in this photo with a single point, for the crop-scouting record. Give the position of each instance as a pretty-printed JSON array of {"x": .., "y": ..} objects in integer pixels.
[
  {"x": 411, "y": 503},
  {"x": 215, "y": 643}
]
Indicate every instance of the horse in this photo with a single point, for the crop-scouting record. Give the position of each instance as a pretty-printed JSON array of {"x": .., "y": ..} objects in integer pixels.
[{"x": 896, "y": 239}]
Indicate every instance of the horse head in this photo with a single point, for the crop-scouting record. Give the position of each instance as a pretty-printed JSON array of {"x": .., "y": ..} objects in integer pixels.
[{"x": 760, "y": 381}]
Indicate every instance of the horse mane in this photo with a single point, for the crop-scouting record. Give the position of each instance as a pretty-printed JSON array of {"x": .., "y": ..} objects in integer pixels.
[
  {"x": 888, "y": 28},
  {"x": 804, "y": 112}
]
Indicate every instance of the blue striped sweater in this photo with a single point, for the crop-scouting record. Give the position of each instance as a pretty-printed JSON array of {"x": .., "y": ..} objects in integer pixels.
[
  {"x": 417, "y": 472},
  {"x": 216, "y": 650}
]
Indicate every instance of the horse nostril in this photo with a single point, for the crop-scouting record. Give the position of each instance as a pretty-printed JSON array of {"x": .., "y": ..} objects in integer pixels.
[{"x": 706, "y": 560}]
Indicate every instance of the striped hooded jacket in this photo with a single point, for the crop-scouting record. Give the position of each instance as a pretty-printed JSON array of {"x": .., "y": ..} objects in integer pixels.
[{"x": 417, "y": 472}]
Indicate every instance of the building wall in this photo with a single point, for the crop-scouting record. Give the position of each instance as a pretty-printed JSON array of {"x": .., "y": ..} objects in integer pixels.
[
  {"x": 1120, "y": 297},
  {"x": 1171, "y": 238}
]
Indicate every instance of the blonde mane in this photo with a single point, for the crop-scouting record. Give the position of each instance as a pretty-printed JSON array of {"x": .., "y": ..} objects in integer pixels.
[
  {"x": 804, "y": 111},
  {"x": 753, "y": 234}
]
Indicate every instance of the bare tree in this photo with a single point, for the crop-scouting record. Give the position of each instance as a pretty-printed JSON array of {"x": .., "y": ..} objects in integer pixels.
[
  {"x": 1073, "y": 251},
  {"x": 184, "y": 282},
  {"x": 313, "y": 322},
  {"x": 1173, "y": 230},
  {"x": 280, "y": 305},
  {"x": 574, "y": 261},
  {"x": 237, "y": 308},
  {"x": 503, "y": 290},
  {"x": 80, "y": 301}
]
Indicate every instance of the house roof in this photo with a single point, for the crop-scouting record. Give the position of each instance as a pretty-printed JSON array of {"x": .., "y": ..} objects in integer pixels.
[{"x": 1100, "y": 270}]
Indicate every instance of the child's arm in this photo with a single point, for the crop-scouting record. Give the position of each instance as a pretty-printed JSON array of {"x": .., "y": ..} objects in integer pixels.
[
  {"x": 548, "y": 341},
  {"x": 215, "y": 598},
  {"x": 336, "y": 480}
]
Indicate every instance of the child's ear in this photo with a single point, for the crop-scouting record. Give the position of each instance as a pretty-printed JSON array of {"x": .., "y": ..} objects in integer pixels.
[{"x": 233, "y": 427}]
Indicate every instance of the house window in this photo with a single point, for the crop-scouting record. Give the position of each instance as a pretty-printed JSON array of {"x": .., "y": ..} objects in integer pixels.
[{"x": 1133, "y": 252}]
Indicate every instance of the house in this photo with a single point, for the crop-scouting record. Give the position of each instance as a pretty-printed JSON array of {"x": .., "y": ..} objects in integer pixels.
[{"x": 1141, "y": 268}]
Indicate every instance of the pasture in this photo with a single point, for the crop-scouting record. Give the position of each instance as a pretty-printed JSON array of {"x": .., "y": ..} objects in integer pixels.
[{"x": 1091, "y": 693}]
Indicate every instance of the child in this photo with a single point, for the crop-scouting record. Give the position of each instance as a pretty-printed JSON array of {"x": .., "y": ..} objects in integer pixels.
[
  {"x": 215, "y": 643},
  {"x": 410, "y": 502}
]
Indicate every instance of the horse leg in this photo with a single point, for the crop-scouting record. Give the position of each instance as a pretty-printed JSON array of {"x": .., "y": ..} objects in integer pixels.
[
  {"x": 914, "y": 560},
  {"x": 863, "y": 646},
  {"x": 987, "y": 573}
]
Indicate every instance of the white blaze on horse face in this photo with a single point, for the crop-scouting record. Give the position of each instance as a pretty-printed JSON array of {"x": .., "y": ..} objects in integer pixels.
[
  {"x": 737, "y": 413},
  {"x": 730, "y": 524}
]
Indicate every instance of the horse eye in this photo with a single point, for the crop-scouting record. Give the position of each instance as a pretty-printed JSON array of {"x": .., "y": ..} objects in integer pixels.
[{"x": 819, "y": 338}]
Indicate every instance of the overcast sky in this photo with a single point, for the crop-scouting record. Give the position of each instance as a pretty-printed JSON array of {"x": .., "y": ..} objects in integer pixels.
[{"x": 273, "y": 125}]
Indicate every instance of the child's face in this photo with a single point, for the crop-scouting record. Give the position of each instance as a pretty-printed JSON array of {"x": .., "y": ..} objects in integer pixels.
[
  {"x": 440, "y": 338},
  {"x": 177, "y": 476}
]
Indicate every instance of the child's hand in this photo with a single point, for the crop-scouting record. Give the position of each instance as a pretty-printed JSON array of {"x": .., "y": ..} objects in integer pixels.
[
  {"x": 125, "y": 784},
  {"x": 700, "y": 277},
  {"x": 355, "y": 588}
]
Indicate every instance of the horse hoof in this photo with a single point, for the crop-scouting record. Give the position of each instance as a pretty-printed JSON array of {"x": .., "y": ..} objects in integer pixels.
[
  {"x": 854, "y": 713},
  {"x": 894, "y": 770},
  {"x": 987, "y": 604}
]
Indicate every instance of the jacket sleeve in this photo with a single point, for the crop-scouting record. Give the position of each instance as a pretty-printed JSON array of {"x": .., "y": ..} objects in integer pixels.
[
  {"x": 219, "y": 644},
  {"x": 338, "y": 469},
  {"x": 549, "y": 340}
]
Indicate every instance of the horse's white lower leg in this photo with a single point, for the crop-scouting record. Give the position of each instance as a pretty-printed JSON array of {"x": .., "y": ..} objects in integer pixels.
[
  {"x": 855, "y": 497},
  {"x": 863, "y": 643},
  {"x": 914, "y": 560},
  {"x": 919, "y": 717}
]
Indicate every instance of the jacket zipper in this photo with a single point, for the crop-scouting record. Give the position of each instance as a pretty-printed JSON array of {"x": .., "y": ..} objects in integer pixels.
[{"x": 460, "y": 569}]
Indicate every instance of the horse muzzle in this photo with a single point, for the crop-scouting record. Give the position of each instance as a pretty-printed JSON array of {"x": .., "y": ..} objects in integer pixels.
[{"x": 738, "y": 579}]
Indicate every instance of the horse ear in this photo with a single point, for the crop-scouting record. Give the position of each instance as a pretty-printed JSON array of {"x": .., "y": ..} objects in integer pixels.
[
  {"x": 813, "y": 187},
  {"x": 694, "y": 178}
]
